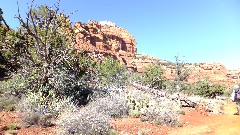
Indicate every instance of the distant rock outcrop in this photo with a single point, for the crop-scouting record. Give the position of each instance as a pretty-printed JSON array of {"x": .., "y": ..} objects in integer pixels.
[
  {"x": 215, "y": 72},
  {"x": 104, "y": 38},
  {"x": 141, "y": 61}
]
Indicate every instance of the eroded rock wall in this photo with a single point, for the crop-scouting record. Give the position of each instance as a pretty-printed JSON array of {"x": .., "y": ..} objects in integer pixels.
[
  {"x": 104, "y": 38},
  {"x": 215, "y": 72}
]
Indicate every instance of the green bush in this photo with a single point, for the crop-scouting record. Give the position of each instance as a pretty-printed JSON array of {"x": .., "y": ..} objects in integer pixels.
[
  {"x": 152, "y": 77},
  {"x": 111, "y": 73},
  {"x": 207, "y": 89},
  {"x": 182, "y": 112},
  {"x": 42, "y": 47},
  {"x": 37, "y": 109},
  {"x": 37, "y": 102},
  {"x": 112, "y": 132},
  {"x": 158, "y": 122},
  {"x": 183, "y": 87},
  {"x": 17, "y": 85},
  {"x": 13, "y": 126},
  {"x": 8, "y": 52},
  {"x": 8, "y": 103},
  {"x": 182, "y": 74}
]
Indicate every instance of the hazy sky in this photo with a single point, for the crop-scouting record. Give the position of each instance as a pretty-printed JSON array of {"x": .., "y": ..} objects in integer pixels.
[{"x": 200, "y": 30}]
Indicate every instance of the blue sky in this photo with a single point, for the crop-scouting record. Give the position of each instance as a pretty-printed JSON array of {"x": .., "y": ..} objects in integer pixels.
[{"x": 200, "y": 30}]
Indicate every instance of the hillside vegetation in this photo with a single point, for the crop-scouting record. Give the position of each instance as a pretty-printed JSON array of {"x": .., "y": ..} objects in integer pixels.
[{"x": 51, "y": 83}]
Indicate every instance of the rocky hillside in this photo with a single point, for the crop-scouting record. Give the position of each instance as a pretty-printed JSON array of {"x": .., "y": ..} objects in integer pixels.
[
  {"x": 105, "y": 38},
  {"x": 215, "y": 72}
]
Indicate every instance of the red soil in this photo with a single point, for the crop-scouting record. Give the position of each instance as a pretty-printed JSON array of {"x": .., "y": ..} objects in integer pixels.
[{"x": 194, "y": 123}]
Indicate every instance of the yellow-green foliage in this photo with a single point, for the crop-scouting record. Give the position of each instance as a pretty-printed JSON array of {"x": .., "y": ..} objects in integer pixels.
[
  {"x": 152, "y": 76},
  {"x": 42, "y": 104},
  {"x": 138, "y": 102},
  {"x": 13, "y": 126},
  {"x": 111, "y": 72},
  {"x": 16, "y": 86},
  {"x": 206, "y": 88}
]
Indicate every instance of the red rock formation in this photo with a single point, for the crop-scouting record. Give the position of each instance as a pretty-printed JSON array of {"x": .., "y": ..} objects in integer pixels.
[
  {"x": 107, "y": 39},
  {"x": 215, "y": 72},
  {"x": 140, "y": 61}
]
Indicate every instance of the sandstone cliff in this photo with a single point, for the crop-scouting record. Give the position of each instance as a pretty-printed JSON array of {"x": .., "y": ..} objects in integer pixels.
[
  {"x": 215, "y": 72},
  {"x": 140, "y": 61},
  {"x": 106, "y": 39}
]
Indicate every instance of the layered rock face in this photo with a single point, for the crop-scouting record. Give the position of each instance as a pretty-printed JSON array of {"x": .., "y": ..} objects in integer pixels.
[
  {"x": 141, "y": 61},
  {"x": 215, "y": 72},
  {"x": 106, "y": 39}
]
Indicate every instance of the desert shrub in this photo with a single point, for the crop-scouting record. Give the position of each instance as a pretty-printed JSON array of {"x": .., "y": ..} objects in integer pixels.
[
  {"x": 16, "y": 85},
  {"x": 152, "y": 107},
  {"x": 180, "y": 87},
  {"x": 205, "y": 88},
  {"x": 63, "y": 84},
  {"x": 44, "y": 47},
  {"x": 114, "y": 106},
  {"x": 7, "y": 52},
  {"x": 138, "y": 102},
  {"x": 152, "y": 77},
  {"x": 170, "y": 86},
  {"x": 8, "y": 103},
  {"x": 13, "y": 126},
  {"x": 35, "y": 118},
  {"x": 37, "y": 102},
  {"x": 166, "y": 110},
  {"x": 37, "y": 109},
  {"x": 182, "y": 72},
  {"x": 94, "y": 117},
  {"x": 111, "y": 73},
  {"x": 30, "y": 118},
  {"x": 227, "y": 93},
  {"x": 217, "y": 90},
  {"x": 158, "y": 122},
  {"x": 176, "y": 87},
  {"x": 112, "y": 132},
  {"x": 86, "y": 121},
  {"x": 143, "y": 119},
  {"x": 213, "y": 106}
]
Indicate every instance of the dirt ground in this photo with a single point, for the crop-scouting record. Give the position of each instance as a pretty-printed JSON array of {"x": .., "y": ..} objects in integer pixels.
[
  {"x": 226, "y": 124},
  {"x": 194, "y": 123},
  {"x": 7, "y": 118}
]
